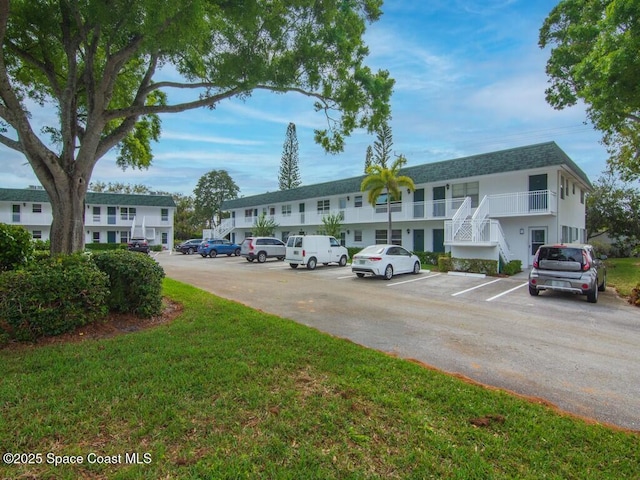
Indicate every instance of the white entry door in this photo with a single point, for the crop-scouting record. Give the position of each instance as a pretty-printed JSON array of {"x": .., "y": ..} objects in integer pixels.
[{"x": 537, "y": 237}]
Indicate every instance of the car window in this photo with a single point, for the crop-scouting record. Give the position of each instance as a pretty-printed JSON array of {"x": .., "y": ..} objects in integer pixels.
[
  {"x": 334, "y": 242},
  {"x": 561, "y": 254},
  {"x": 298, "y": 242}
]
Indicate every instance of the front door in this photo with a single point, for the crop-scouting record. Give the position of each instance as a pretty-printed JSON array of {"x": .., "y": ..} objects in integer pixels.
[
  {"x": 438, "y": 240},
  {"x": 537, "y": 237},
  {"x": 418, "y": 240},
  {"x": 438, "y": 202},
  {"x": 538, "y": 192}
]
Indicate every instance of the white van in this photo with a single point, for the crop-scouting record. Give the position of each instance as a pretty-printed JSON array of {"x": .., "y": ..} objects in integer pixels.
[{"x": 310, "y": 250}]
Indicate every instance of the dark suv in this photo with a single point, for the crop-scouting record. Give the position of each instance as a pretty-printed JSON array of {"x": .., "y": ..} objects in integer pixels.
[
  {"x": 190, "y": 246},
  {"x": 262, "y": 248},
  {"x": 571, "y": 267},
  {"x": 139, "y": 244}
]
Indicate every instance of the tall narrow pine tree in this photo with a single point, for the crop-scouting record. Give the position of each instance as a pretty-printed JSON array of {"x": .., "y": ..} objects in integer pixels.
[{"x": 289, "y": 171}]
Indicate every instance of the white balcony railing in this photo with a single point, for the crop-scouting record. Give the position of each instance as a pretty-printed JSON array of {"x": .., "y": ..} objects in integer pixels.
[{"x": 540, "y": 202}]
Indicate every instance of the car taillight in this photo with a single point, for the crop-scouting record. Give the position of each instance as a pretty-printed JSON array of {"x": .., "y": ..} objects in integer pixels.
[
  {"x": 585, "y": 260},
  {"x": 250, "y": 245},
  {"x": 303, "y": 253},
  {"x": 375, "y": 259}
]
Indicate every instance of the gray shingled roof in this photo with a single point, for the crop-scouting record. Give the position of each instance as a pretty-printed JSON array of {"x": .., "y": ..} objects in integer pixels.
[
  {"x": 40, "y": 196},
  {"x": 521, "y": 158}
]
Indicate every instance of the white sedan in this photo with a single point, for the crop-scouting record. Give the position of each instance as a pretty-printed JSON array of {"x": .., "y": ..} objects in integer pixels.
[{"x": 384, "y": 261}]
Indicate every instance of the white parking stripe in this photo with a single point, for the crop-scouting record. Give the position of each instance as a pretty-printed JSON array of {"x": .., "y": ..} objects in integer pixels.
[
  {"x": 473, "y": 288},
  {"x": 413, "y": 280},
  {"x": 508, "y": 291}
]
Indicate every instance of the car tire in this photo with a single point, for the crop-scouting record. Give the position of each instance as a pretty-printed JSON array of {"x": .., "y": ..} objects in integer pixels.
[
  {"x": 533, "y": 291},
  {"x": 343, "y": 261},
  {"x": 191, "y": 251},
  {"x": 293, "y": 265},
  {"x": 312, "y": 263},
  {"x": 203, "y": 255},
  {"x": 213, "y": 254},
  {"x": 360, "y": 275},
  {"x": 603, "y": 286},
  {"x": 237, "y": 252},
  {"x": 249, "y": 259},
  {"x": 388, "y": 272},
  {"x": 416, "y": 268},
  {"x": 592, "y": 295},
  {"x": 262, "y": 257}
]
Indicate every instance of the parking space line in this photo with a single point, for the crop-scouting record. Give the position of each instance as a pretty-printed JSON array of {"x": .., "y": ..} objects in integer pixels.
[
  {"x": 508, "y": 291},
  {"x": 473, "y": 288},
  {"x": 412, "y": 280}
]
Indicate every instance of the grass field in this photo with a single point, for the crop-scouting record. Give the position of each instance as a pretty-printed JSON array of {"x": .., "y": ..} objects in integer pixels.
[
  {"x": 226, "y": 392},
  {"x": 623, "y": 274}
]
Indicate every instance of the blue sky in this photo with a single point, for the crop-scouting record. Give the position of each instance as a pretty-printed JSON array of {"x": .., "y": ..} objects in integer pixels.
[{"x": 470, "y": 79}]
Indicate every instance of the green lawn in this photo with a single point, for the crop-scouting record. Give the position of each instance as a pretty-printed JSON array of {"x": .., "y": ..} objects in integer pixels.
[
  {"x": 226, "y": 392},
  {"x": 623, "y": 274}
]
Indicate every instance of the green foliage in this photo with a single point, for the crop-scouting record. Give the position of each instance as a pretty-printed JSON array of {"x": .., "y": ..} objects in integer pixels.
[
  {"x": 332, "y": 224},
  {"x": 613, "y": 208},
  {"x": 513, "y": 267},
  {"x": 289, "y": 170},
  {"x": 135, "y": 282},
  {"x": 51, "y": 297},
  {"x": 594, "y": 59},
  {"x": 634, "y": 298},
  {"x": 475, "y": 265},
  {"x": 353, "y": 250},
  {"x": 264, "y": 226},
  {"x": 428, "y": 258},
  {"x": 101, "y": 247},
  {"x": 42, "y": 245},
  {"x": 16, "y": 246},
  {"x": 445, "y": 263},
  {"x": 212, "y": 189}
]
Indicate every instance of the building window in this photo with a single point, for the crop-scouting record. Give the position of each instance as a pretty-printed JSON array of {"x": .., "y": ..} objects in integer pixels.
[
  {"x": 164, "y": 215},
  {"x": 357, "y": 201},
  {"x": 573, "y": 189},
  {"x": 323, "y": 206},
  {"x": 36, "y": 234},
  {"x": 165, "y": 238},
  {"x": 286, "y": 210},
  {"x": 96, "y": 237},
  {"x": 249, "y": 213},
  {"x": 357, "y": 235},
  {"x": 396, "y": 237},
  {"x": 127, "y": 213},
  {"x": 381, "y": 203},
  {"x": 561, "y": 186},
  {"x": 565, "y": 234},
  {"x": 124, "y": 236},
  {"x": 36, "y": 208},
  {"x": 342, "y": 203},
  {"x": 15, "y": 213},
  {"x": 470, "y": 189},
  {"x": 96, "y": 214},
  {"x": 582, "y": 196}
]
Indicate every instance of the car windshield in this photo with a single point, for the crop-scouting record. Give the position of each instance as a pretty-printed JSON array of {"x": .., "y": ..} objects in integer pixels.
[
  {"x": 561, "y": 254},
  {"x": 373, "y": 250}
]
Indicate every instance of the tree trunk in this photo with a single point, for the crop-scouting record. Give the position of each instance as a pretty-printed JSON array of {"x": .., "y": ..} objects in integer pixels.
[{"x": 68, "y": 209}]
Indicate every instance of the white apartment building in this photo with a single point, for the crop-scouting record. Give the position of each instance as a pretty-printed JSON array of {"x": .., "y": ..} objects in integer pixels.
[
  {"x": 109, "y": 217},
  {"x": 499, "y": 206}
]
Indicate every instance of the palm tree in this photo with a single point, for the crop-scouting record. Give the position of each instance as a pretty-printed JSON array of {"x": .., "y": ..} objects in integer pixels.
[{"x": 381, "y": 179}]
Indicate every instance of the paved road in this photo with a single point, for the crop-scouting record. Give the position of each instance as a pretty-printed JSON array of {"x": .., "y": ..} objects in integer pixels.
[{"x": 582, "y": 358}]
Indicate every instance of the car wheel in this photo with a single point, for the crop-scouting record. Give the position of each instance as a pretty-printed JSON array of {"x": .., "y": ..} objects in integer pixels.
[
  {"x": 191, "y": 251},
  {"x": 311, "y": 263},
  {"x": 249, "y": 259},
  {"x": 343, "y": 261},
  {"x": 237, "y": 252},
  {"x": 592, "y": 295},
  {"x": 262, "y": 257},
  {"x": 360, "y": 275},
  {"x": 388, "y": 272},
  {"x": 533, "y": 291},
  {"x": 293, "y": 265},
  {"x": 213, "y": 254},
  {"x": 203, "y": 255},
  {"x": 603, "y": 286},
  {"x": 416, "y": 268}
]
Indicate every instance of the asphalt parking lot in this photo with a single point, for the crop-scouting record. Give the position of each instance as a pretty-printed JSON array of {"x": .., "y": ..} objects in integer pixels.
[{"x": 581, "y": 358}]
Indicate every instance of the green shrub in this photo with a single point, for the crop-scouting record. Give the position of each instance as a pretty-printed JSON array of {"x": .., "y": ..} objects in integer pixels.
[
  {"x": 513, "y": 267},
  {"x": 634, "y": 298},
  {"x": 51, "y": 297},
  {"x": 135, "y": 281},
  {"x": 42, "y": 245},
  {"x": 445, "y": 263},
  {"x": 156, "y": 248},
  {"x": 428, "y": 258},
  {"x": 101, "y": 247},
  {"x": 16, "y": 246},
  {"x": 353, "y": 250},
  {"x": 475, "y": 265}
]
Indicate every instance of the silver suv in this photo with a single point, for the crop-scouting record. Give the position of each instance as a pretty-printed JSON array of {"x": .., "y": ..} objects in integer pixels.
[
  {"x": 262, "y": 248},
  {"x": 571, "y": 267}
]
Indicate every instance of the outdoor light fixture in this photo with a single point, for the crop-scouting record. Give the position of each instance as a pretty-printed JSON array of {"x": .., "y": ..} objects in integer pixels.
[
  {"x": 447, "y": 186},
  {"x": 408, "y": 230},
  {"x": 522, "y": 231}
]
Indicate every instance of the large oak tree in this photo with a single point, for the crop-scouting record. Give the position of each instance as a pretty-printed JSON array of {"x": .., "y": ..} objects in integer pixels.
[
  {"x": 97, "y": 65},
  {"x": 594, "y": 58}
]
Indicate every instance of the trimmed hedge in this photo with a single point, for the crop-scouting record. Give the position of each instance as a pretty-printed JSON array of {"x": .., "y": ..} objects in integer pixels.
[
  {"x": 135, "y": 281},
  {"x": 51, "y": 297},
  {"x": 475, "y": 265},
  {"x": 513, "y": 267},
  {"x": 101, "y": 247},
  {"x": 16, "y": 246}
]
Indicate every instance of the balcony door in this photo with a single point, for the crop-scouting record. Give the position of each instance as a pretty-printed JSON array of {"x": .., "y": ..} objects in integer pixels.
[
  {"x": 439, "y": 209},
  {"x": 538, "y": 192},
  {"x": 418, "y": 203}
]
